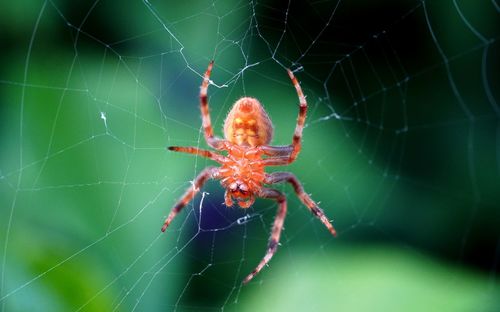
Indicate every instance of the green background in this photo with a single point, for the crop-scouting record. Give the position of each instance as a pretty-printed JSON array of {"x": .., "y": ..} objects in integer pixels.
[{"x": 401, "y": 149}]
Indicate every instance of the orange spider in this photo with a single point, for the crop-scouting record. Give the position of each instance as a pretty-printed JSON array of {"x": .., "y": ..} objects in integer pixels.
[{"x": 248, "y": 131}]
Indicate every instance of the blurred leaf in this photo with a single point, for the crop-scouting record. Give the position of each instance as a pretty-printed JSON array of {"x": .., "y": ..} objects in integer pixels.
[{"x": 376, "y": 278}]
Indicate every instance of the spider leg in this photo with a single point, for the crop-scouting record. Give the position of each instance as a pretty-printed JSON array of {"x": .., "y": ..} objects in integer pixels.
[
  {"x": 288, "y": 153},
  {"x": 277, "y": 151},
  {"x": 207, "y": 173},
  {"x": 297, "y": 136},
  {"x": 212, "y": 141},
  {"x": 272, "y": 246},
  {"x": 200, "y": 152},
  {"x": 277, "y": 177},
  {"x": 275, "y": 161}
]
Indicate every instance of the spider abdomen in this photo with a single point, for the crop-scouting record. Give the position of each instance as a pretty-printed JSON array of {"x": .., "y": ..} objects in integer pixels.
[{"x": 247, "y": 124}]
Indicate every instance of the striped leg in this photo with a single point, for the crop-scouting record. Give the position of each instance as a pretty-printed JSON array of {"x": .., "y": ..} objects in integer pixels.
[
  {"x": 290, "y": 151},
  {"x": 277, "y": 151},
  {"x": 275, "y": 161},
  {"x": 212, "y": 141},
  {"x": 196, "y": 151},
  {"x": 209, "y": 172},
  {"x": 297, "y": 136},
  {"x": 277, "y": 177},
  {"x": 276, "y": 232}
]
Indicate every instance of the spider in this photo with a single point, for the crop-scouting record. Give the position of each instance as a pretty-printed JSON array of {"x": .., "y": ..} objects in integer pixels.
[{"x": 247, "y": 134}]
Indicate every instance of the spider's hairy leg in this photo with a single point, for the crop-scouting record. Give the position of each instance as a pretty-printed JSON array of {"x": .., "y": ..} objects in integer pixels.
[
  {"x": 277, "y": 177},
  {"x": 275, "y": 161},
  {"x": 297, "y": 136},
  {"x": 212, "y": 141},
  {"x": 276, "y": 231},
  {"x": 277, "y": 151},
  {"x": 207, "y": 173},
  {"x": 196, "y": 151},
  {"x": 287, "y": 154}
]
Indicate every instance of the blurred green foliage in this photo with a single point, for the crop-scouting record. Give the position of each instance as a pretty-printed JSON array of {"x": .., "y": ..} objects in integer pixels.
[{"x": 375, "y": 278}]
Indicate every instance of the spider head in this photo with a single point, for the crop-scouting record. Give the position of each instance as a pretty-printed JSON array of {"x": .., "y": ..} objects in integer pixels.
[
  {"x": 241, "y": 193},
  {"x": 248, "y": 124},
  {"x": 239, "y": 189}
]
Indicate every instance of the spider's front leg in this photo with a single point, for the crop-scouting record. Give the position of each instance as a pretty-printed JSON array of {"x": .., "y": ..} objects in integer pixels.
[
  {"x": 284, "y": 155},
  {"x": 207, "y": 173},
  {"x": 277, "y": 177},
  {"x": 301, "y": 119},
  {"x": 212, "y": 141},
  {"x": 272, "y": 246}
]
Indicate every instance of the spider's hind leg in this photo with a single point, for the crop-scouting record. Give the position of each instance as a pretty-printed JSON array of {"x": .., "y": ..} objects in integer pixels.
[{"x": 272, "y": 246}]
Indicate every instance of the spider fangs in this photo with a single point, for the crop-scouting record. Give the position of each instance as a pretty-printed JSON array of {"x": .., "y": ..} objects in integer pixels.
[{"x": 247, "y": 134}]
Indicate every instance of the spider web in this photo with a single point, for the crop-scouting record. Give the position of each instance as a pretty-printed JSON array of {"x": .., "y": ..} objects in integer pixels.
[{"x": 401, "y": 149}]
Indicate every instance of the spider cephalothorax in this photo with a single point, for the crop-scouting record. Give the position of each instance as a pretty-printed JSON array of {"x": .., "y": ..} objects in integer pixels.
[
  {"x": 248, "y": 131},
  {"x": 242, "y": 175}
]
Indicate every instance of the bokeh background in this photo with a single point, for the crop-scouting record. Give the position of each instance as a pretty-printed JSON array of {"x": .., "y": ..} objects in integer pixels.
[{"x": 401, "y": 150}]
